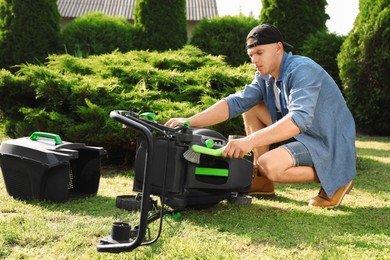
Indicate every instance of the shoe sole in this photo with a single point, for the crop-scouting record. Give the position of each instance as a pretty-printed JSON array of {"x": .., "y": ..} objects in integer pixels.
[{"x": 350, "y": 187}]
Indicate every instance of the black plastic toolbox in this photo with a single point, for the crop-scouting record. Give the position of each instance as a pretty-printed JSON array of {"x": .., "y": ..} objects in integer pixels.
[{"x": 44, "y": 167}]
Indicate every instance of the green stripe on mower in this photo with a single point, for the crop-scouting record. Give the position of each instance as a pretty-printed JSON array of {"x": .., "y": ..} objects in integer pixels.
[{"x": 211, "y": 171}]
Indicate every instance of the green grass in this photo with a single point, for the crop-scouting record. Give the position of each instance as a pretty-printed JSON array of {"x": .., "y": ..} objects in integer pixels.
[{"x": 280, "y": 228}]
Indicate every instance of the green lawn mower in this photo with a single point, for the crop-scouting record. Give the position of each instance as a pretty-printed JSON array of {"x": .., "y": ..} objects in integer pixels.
[{"x": 183, "y": 167}]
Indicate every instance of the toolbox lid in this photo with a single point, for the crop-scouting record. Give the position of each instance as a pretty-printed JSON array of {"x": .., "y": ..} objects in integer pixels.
[{"x": 44, "y": 148}]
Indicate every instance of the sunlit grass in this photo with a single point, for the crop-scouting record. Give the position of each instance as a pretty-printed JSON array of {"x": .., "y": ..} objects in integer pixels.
[
  {"x": 280, "y": 228},
  {"x": 376, "y": 148}
]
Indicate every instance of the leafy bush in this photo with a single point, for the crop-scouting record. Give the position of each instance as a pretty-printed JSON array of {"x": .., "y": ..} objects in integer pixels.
[
  {"x": 323, "y": 47},
  {"x": 364, "y": 63},
  {"x": 29, "y": 30},
  {"x": 73, "y": 96},
  {"x": 224, "y": 36},
  {"x": 96, "y": 33}
]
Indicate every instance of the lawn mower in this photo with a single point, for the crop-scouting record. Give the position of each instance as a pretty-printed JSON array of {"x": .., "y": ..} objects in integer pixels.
[{"x": 184, "y": 168}]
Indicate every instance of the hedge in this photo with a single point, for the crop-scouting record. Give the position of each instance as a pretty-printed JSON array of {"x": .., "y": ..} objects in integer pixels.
[
  {"x": 96, "y": 33},
  {"x": 72, "y": 96},
  {"x": 224, "y": 36}
]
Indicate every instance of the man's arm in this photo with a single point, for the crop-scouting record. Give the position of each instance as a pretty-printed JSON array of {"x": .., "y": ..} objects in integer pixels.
[
  {"x": 213, "y": 115},
  {"x": 282, "y": 130}
]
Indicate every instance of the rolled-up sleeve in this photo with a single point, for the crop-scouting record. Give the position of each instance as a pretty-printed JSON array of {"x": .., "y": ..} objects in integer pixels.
[
  {"x": 245, "y": 99},
  {"x": 305, "y": 84}
]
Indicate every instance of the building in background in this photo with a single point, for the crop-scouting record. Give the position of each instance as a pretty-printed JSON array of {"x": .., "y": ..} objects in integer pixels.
[{"x": 71, "y": 9}]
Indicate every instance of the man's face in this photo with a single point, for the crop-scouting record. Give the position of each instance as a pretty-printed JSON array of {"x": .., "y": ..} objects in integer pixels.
[{"x": 265, "y": 57}]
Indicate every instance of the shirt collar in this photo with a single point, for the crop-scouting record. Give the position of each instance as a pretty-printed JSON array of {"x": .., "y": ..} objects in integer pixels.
[{"x": 283, "y": 66}]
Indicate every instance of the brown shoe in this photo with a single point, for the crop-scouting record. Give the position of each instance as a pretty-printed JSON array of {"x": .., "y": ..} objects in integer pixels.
[
  {"x": 322, "y": 200},
  {"x": 261, "y": 186}
]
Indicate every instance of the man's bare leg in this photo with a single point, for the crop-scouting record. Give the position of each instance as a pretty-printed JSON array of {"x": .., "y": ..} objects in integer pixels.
[
  {"x": 277, "y": 165},
  {"x": 255, "y": 119}
]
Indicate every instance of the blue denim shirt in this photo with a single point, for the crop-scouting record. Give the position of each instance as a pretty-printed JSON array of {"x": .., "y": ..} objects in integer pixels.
[{"x": 314, "y": 102}]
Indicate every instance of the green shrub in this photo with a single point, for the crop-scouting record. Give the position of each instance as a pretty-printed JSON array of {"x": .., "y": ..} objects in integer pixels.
[
  {"x": 323, "y": 48},
  {"x": 224, "y": 36},
  {"x": 29, "y": 31},
  {"x": 162, "y": 25},
  {"x": 96, "y": 33},
  {"x": 364, "y": 63},
  {"x": 72, "y": 96},
  {"x": 15, "y": 92},
  {"x": 295, "y": 19}
]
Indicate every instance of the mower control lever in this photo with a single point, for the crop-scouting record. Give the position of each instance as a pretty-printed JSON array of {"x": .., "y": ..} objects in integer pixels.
[
  {"x": 206, "y": 150},
  {"x": 209, "y": 151}
]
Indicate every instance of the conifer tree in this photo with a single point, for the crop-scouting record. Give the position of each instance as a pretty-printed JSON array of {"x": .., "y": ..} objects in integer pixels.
[
  {"x": 295, "y": 19},
  {"x": 162, "y": 24},
  {"x": 364, "y": 63},
  {"x": 29, "y": 31}
]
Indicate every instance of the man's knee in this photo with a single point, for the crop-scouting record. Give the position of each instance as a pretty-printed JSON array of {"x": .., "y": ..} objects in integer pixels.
[
  {"x": 273, "y": 164},
  {"x": 259, "y": 110},
  {"x": 257, "y": 118},
  {"x": 250, "y": 115},
  {"x": 267, "y": 168}
]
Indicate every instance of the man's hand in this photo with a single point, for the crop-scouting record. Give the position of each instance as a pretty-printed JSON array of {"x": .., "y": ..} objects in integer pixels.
[
  {"x": 237, "y": 148},
  {"x": 173, "y": 122},
  {"x": 213, "y": 115}
]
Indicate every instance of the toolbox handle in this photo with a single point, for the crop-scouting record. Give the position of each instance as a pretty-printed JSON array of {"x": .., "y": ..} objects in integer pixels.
[{"x": 55, "y": 137}]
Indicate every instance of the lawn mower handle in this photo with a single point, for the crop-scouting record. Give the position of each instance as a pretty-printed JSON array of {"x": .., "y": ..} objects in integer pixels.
[{"x": 120, "y": 247}]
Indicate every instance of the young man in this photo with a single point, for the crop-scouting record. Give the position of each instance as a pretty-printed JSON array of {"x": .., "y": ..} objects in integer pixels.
[{"x": 295, "y": 107}]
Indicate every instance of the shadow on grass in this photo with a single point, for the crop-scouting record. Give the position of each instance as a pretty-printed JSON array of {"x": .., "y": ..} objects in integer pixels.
[
  {"x": 373, "y": 152},
  {"x": 372, "y": 175},
  {"x": 293, "y": 228},
  {"x": 289, "y": 223},
  {"x": 88, "y": 205}
]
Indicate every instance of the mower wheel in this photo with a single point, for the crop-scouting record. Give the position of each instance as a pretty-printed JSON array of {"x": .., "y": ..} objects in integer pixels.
[{"x": 132, "y": 202}]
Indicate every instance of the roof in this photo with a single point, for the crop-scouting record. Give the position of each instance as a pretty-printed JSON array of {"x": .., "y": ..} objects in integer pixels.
[
  {"x": 199, "y": 9},
  {"x": 196, "y": 9}
]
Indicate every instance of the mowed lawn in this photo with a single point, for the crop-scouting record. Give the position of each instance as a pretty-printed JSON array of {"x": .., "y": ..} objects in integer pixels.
[{"x": 280, "y": 228}]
